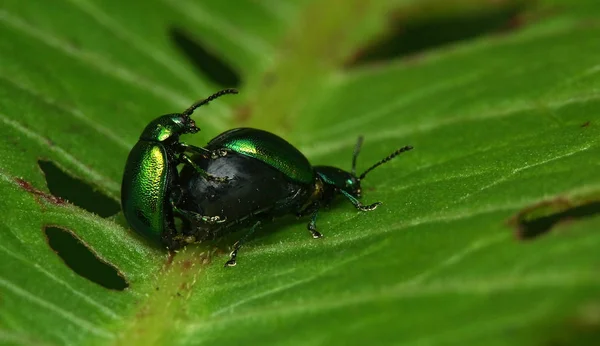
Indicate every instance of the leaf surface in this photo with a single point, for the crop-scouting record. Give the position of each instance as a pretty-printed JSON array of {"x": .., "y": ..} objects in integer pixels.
[{"x": 500, "y": 123}]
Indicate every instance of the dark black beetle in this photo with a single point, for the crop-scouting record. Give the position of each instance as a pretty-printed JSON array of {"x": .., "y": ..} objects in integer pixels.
[{"x": 263, "y": 176}]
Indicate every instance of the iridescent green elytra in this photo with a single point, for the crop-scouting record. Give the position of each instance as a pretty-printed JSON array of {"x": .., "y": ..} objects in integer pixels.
[
  {"x": 145, "y": 188},
  {"x": 149, "y": 190},
  {"x": 268, "y": 148}
]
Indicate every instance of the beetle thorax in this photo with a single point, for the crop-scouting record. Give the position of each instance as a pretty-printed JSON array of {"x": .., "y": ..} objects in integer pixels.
[
  {"x": 169, "y": 126},
  {"x": 339, "y": 179},
  {"x": 317, "y": 195}
]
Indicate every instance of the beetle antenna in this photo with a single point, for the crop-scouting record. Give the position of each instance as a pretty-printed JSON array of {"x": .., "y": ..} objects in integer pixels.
[
  {"x": 216, "y": 95},
  {"x": 359, "y": 143},
  {"x": 391, "y": 156}
]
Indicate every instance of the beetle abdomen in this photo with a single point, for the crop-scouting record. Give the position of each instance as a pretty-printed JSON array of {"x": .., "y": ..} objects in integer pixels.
[
  {"x": 144, "y": 188},
  {"x": 268, "y": 148},
  {"x": 254, "y": 190}
]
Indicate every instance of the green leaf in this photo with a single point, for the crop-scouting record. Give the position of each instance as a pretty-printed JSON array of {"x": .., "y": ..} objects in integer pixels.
[{"x": 505, "y": 129}]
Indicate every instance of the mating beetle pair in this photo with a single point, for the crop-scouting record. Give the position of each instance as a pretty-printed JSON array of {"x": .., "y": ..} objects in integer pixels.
[{"x": 241, "y": 177}]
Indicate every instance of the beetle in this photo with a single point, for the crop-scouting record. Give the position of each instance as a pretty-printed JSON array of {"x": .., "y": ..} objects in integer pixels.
[
  {"x": 241, "y": 177},
  {"x": 150, "y": 190},
  {"x": 266, "y": 177}
]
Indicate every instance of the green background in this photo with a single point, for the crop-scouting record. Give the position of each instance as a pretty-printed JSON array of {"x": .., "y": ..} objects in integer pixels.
[{"x": 499, "y": 98}]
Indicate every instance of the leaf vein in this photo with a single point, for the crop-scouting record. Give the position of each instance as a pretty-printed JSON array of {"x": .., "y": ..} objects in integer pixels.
[
  {"x": 520, "y": 169},
  {"x": 76, "y": 113},
  {"x": 105, "y": 310},
  {"x": 97, "y": 177},
  {"x": 110, "y": 68},
  {"x": 84, "y": 324},
  {"x": 251, "y": 44},
  {"x": 326, "y": 147},
  {"x": 141, "y": 45}
]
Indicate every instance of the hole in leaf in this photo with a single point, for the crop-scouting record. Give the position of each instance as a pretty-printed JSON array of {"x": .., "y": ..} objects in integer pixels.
[
  {"x": 77, "y": 191},
  {"x": 422, "y": 28},
  {"x": 208, "y": 63},
  {"x": 540, "y": 219},
  {"x": 82, "y": 260}
]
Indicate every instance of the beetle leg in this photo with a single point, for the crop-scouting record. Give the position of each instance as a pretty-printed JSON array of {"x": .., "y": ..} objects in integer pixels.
[
  {"x": 190, "y": 215},
  {"x": 185, "y": 159},
  {"x": 312, "y": 225},
  {"x": 213, "y": 154},
  {"x": 238, "y": 244},
  {"x": 192, "y": 148},
  {"x": 359, "y": 205}
]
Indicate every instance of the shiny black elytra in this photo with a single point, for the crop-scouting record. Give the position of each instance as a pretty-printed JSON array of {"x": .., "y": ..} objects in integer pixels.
[{"x": 262, "y": 177}]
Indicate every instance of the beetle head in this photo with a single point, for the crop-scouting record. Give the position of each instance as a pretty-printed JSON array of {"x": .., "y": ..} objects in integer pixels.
[
  {"x": 169, "y": 127},
  {"x": 339, "y": 179},
  {"x": 349, "y": 181}
]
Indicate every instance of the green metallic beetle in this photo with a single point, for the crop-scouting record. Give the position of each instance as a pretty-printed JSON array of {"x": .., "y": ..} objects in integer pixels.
[{"x": 150, "y": 189}]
